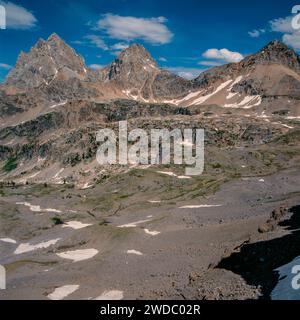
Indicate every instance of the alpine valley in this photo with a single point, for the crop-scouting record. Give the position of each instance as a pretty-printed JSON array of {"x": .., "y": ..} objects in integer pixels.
[{"x": 73, "y": 229}]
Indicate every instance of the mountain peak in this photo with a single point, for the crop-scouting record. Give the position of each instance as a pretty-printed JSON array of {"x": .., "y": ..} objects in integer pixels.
[
  {"x": 276, "y": 45},
  {"x": 44, "y": 62},
  {"x": 56, "y": 40},
  {"x": 54, "y": 36},
  {"x": 137, "y": 52},
  {"x": 135, "y": 48},
  {"x": 275, "y": 52},
  {"x": 133, "y": 65}
]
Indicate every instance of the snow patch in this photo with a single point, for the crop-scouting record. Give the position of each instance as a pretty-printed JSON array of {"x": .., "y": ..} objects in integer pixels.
[
  {"x": 111, "y": 295},
  {"x": 78, "y": 255},
  {"x": 58, "y": 104},
  {"x": 206, "y": 97},
  {"x": 8, "y": 240},
  {"x": 58, "y": 173},
  {"x": 138, "y": 253},
  {"x": 200, "y": 206},
  {"x": 37, "y": 208},
  {"x": 247, "y": 103},
  {"x": 231, "y": 95},
  {"x": 292, "y": 118},
  {"x": 86, "y": 186},
  {"x": 283, "y": 125},
  {"x": 27, "y": 247},
  {"x": 134, "y": 224},
  {"x": 237, "y": 80},
  {"x": 76, "y": 225},
  {"x": 151, "y": 233},
  {"x": 171, "y": 174},
  {"x": 33, "y": 175},
  {"x": 62, "y": 292}
]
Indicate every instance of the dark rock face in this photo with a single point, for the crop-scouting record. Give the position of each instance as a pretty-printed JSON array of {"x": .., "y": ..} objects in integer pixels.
[
  {"x": 222, "y": 72},
  {"x": 249, "y": 87},
  {"x": 169, "y": 86},
  {"x": 70, "y": 89},
  {"x": 8, "y": 105},
  {"x": 36, "y": 127}
]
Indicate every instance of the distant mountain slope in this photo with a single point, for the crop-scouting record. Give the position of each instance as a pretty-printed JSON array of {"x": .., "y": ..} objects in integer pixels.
[{"x": 52, "y": 74}]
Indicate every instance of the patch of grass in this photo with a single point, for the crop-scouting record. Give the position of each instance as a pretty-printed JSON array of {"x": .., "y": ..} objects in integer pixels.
[
  {"x": 11, "y": 164},
  {"x": 2, "y": 193},
  {"x": 290, "y": 137},
  {"x": 17, "y": 264},
  {"x": 216, "y": 165},
  {"x": 57, "y": 221},
  {"x": 113, "y": 232}
]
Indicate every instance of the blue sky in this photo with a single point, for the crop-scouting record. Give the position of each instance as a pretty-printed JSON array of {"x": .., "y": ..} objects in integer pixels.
[{"x": 185, "y": 36}]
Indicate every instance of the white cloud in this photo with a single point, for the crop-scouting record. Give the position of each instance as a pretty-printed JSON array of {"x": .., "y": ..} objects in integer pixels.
[
  {"x": 96, "y": 66},
  {"x": 256, "y": 33},
  {"x": 119, "y": 46},
  {"x": 18, "y": 17},
  {"x": 292, "y": 40},
  {"x": 162, "y": 59},
  {"x": 290, "y": 36},
  {"x": 283, "y": 25},
  {"x": 188, "y": 73},
  {"x": 78, "y": 42},
  {"x": 5, "y": 66},
  {"x": 209, "y": 63},
  {"x": 152, "y": 30},
  {"x": 97, "y": 41},
  {"x": 224, "y": 55},
  {"x": 116, "y": 53}
]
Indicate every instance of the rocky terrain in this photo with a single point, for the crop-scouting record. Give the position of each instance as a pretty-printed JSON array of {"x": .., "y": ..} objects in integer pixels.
[{"x": 71, "y": 228}]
